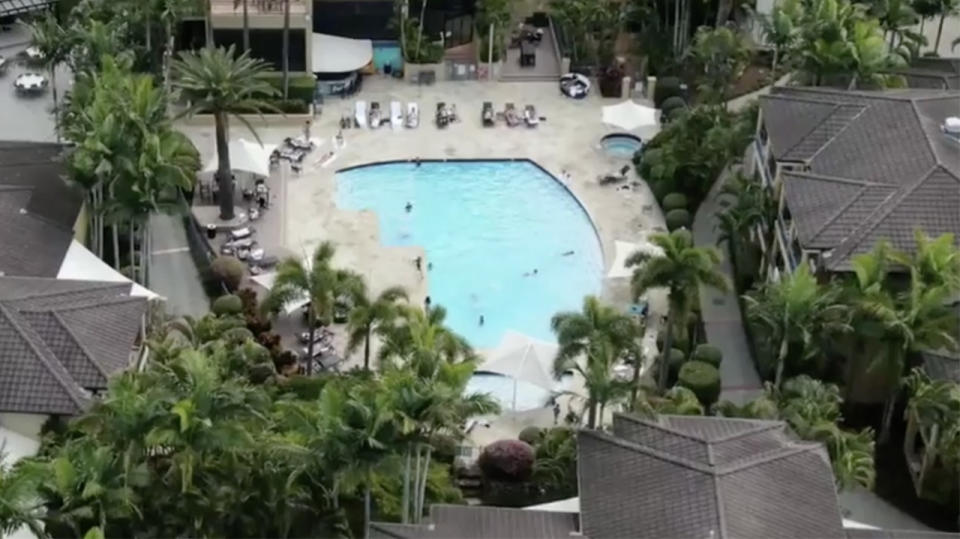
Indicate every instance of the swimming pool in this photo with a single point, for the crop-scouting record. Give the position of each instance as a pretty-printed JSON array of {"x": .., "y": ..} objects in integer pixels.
[
  {"x": 486, "y": 226},
  {"x": 387, "y": 53},
  {"x": 621, "y": 145}
]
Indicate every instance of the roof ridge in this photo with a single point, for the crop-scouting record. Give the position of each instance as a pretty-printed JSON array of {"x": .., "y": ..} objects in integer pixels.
[
  {"x": 827, "y": 177},
  {"x": 812, "y": 129},
  {"x": 863, "y": 108},
  {"x": 632, "y": 446},
  {"x": 926, "y": 135},
  {"x": 94, "y": 302},
  {"x": 838, "y": 213},
  {"x": 877, "y": 216},
  {"x": 94, "y": 285},
  {"x": 864, "y": 94},
  {"x": 70, "y": 386},
  {"x": 756, "y": 429},
  {"x": 80, "y": 345},
  {"x": 718, "y": 498},
  {"x": 660, "y": 426},
  {"x": 786, "y": 450}
]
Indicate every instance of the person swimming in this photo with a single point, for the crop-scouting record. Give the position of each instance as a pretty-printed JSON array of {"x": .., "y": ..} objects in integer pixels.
[
  {"x": 535, "y": 271},
  {"x": 429, "y": 266},
  {"x": 481, "y": 320},
  {"x": 567, "y": 253},
  {"x": 419, "y": 262},
  {"x": 408, "y": 207}
]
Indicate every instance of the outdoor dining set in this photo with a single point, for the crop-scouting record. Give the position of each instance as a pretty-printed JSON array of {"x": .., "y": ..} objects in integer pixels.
[{"x": 30, "y": 83}]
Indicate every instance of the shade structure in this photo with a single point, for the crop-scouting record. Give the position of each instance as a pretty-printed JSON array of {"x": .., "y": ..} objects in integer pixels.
[
  {"x": 623, "y": 251},
  {"x": 266, "y": 280},
  {"x": 524, "y": 359},
  {"x": 335, "y": 54},
  {"x": 80, "y": 264},
  {"x": 629, "y": 115},
  {"x": 245, "y": 156}
]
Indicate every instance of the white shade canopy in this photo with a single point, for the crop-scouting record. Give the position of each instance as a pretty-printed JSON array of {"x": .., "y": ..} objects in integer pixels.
[
  {"x": 266, "y": 280},
  {"x": 624, "y": 249},
  {"x": 523, "y": 358},
  {"x": 334, "y": 54},
  {"x": 245, "y": 156},
  {"x": 80, "y": 264},
  {"x": 629, "y": 115}
]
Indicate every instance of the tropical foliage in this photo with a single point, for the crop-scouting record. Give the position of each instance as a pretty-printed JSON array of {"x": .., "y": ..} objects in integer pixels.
[
  {"x": 934, "y": 411},
  {"x": 721, "y": 54}
]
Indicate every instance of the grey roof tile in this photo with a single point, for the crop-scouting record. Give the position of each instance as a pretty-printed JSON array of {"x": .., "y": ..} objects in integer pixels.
[
  {"x": 41, "y": 168},
  {"x": 462, "y": 522},
  {"x": 58, "y": 338},
  {"x": 815, "y": 201},
  {"x": 824, "y": 132},
  {"x": 942, "y": 366},
  {"x": 788, "y": 121},
  {"x": 41, "y": 244}
]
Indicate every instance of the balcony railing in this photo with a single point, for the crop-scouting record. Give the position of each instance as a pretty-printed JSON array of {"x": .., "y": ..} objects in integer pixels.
[
  {"x": 761, "y": 161},
  {"x": 257, "y": 7}
]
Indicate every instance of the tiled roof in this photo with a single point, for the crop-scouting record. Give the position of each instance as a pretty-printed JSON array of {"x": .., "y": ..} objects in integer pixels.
[
  {"x": 60, "y": 338},
  {"x": 942, "y": 365},
  {"x": 864, "y": 533},
  {"x": 38, "y": 209},
  {"x": 878, "y": 173},
  {"x": 940, "y": 73},
  {"x": 749, "y": 480},
  {"x": 462, "y": 522}
]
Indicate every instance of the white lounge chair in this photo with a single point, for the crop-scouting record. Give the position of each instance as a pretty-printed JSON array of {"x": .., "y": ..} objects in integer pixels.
[
  {"x": 376, "y": 115},
  {"x": 530, "y": 116},
  {"x": 396, "y": 115},
  {"x": 413, "y": 115},
  {"x": 360, "y": 113}
]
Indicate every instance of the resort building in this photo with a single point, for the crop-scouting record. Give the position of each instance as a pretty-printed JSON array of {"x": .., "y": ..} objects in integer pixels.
[
  {"x": 265, "y": 20},
  {"x": 852, "y": 168},
  {"x": 675, "y": 476}
]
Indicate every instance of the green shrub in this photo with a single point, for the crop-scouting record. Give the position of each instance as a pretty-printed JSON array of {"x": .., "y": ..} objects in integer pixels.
[
  {"x": 529, "y": 435},
  {"x": 671, "y": 106},
  {"x": 300, "y": 87},
  {"x": 701, "y": 378},
  {"x": 229, "y": 271},
  {"x": 665, "y": 88},
  {"x": 674, "y": 201},
  {"x": 229, "y": 304},
  {"x": 708, "y": 353},
  {"x": 674, "y": 362},
  {"x": 288, "y": 106},
  {"x": 678, "y": 218},
  {"x": 679, "y": 343}
]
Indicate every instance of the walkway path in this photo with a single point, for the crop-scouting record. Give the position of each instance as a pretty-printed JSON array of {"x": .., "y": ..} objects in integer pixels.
[
  {"x": 721, "y": 313},
  {"x": 173, "y": 274}
]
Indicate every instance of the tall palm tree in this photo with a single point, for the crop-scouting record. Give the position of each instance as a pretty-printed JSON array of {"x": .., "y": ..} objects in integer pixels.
[
  {"x": 681, "y": 269},
  {"x": 946, "y": 9},
  {"x": 420, "y": 335},
  {"x": 590, "y": 343},
  {"x": 895, "y": 16},
  {"x": 781, "y": 31},
  {"x": 318, "y": 282},
  {"x": 246, "y": 22},
  {"x": 369, "y": 314},
  {"x": 54, "y": 43},
  {"x": 935, "y": 261},
  {"x": 20, "y": 505},
  {"x": 797, "y": 314},
  {"x": 219, "y": 82}
]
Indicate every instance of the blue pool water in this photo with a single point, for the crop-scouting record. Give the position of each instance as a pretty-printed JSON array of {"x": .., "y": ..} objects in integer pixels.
[
  {"x": 485, "y": 227},
  {"x": 387, "y": 53}
]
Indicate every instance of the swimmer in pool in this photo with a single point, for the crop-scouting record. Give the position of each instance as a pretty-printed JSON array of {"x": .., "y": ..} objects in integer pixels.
[
  {"x": 568, "y": 253},
  {"x": 408, "y": 207},
  {"x": 481, "y": 319}
]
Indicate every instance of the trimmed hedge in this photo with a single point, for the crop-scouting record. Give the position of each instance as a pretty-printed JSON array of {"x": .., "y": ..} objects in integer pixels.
[
  {"x": 701, "y": 378},
  {"x": 675, "y": 201},
  {"x": 675, "y": 361},
  {"x": 229, "y": 304},
  {"x": 708, "y": 353},
  {"x": 678, "y": 218},
  {"x": 665, "y": 88},
  {"x": 301, "y": 87},
  {"x": 289, "y": 106},
  {"x": 529, "y": 435},
  {"x": 229, "y": 271},
  {"x": 671, "y": 106},
  {"x": 507, "y": 460}
]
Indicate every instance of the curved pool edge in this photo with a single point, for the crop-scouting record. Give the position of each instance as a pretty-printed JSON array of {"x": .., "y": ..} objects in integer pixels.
[{"x": 579, "y": 201}]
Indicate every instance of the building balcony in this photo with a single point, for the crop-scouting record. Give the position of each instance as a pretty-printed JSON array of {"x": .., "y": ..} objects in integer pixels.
[
  {"x": 761, "y": 163},
  {"x": 258, "y": 7}
]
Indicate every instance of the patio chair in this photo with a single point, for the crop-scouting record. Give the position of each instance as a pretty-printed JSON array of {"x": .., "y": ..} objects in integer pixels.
[
  {"x": 510, "y": 115},
  {"x": 488, "y": 115}
]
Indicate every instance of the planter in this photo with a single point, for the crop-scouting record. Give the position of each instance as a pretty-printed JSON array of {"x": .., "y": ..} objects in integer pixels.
[
  {"x": 411, "y": 72},
  {"x": 491, "y": 71}
]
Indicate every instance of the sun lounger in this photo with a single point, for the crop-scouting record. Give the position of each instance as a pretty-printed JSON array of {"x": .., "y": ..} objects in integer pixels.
[
  {"x": 530, "y": 116},
  {"x": 413, "y": 115},
  {"x": 510, "y": 115},
  {"x": 620, "y": 176},
  {"x": 488, "y": 115},
  {"x": 442, "y": 118},
  {"x": 376, "y": 115},
  {"x": 360, "y": 113},
  {"x": 396, "y": 115}
]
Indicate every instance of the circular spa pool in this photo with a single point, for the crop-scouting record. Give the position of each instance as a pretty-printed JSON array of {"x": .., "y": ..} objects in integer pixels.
[{"x": 621, "y": 145}]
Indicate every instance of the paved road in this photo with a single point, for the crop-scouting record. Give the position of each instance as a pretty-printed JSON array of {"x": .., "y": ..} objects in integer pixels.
[
  {"x": 721, "y": 315},
  {"x": 173, "y": 274}
]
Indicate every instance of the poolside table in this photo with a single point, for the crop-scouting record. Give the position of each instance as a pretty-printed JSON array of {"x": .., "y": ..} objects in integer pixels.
[
  {"x": 241, "y": 233},
  {"x": 30, "y": 82}
]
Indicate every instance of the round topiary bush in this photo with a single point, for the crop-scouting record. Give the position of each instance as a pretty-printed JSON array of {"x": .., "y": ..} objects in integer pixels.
[
  {"x": 507, "y": 460},
  {"x": 666, "y": 87},
  {"x": 671, "y": 106},
  {"x": 701, "y": 378},
  {"x": 675, "y": 201},
  {"x": 530, "y": 435},
  {"x": 708, "y": 353},
  {"x": 678, "y": 218},
  {"x": 228, "y": 270},
  {"x": 227, "y": 305}
]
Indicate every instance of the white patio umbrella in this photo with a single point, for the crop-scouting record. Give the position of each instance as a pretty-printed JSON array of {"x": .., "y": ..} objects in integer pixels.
[
  {"x": 524, "y": 359},
  {"x": 629, "y": 115},
  {"x": 623, "y": 251},
  {"x": 245, "y": 156}
]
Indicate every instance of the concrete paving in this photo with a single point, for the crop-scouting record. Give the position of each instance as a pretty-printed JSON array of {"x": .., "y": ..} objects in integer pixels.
[
  {"x": 173, "y": 273},
  {"x": 721, "y": 314}
]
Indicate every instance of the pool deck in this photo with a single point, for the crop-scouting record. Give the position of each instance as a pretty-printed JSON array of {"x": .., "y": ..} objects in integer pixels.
[{"x": 567, "y": 142}]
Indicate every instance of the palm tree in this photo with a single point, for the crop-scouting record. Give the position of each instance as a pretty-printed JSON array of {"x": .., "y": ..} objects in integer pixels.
[
  {"x": 420, "y": 335},
  {"x": 368, "y": 315},
  {"x": 934, "y": 409},
  {"x": 722, "y": 55},
  {"x": 53, "y": 41},
  {"x": 317, "y": 282},
  {"x": 246, "y": 22},
  {"x": 781, "y": 31},
  {"x": 20, "y": 504},
  {"x": 219, "y": 82},
  {"x": 936, "y": 261},
  {"x": 590, "y": 342},
  {"x": 946, "y": 8},
  {"x": 895, "y": 16},
  {"x": 681, "y": 269},
  {"x": 797, "y": 313}
]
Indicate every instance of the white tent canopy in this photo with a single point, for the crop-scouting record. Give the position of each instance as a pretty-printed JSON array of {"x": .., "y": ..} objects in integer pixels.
[
  {"x": 334, "y": 54},
  {"x": 266, "y": 280},
  {"x": 80, "y": 264},
  {"x": 629, "y": 115},
  {"x": 245, "y": 156},
  {"x": 624, "y": 249},
  {"x": 524, "y": 359}
]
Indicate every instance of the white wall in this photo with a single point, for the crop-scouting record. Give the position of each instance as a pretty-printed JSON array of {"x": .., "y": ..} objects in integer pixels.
[{"x": 28, "y": 425}]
